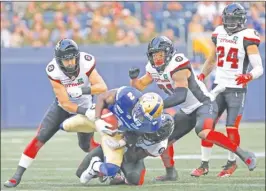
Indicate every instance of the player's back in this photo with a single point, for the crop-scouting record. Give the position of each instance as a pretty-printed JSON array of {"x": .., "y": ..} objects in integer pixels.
[
  {"x": 125, "y": 100},
  {"x": 86, "y": 65},
  {"x": 232, "y": 58}
]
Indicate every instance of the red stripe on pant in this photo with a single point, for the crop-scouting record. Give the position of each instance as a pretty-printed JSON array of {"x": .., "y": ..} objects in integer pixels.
[
  {"x": 206, "y": 143},
  {"x": 33, "y": 147},
  {"x": 142, "y": 177},
  {"x": 168, "y": 156},
  {"x": 93, "y": 144},
  {"x": 233, "y": 133}
]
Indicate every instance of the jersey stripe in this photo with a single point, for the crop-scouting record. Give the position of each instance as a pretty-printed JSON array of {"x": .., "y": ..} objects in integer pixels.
[
  {"x": 178, "y": 67},
  {"x": 89, "y": 72},
  {"x": 58, "y": 81},
  {"x": 214, "y": 35},
  {"x": 252, "y": 40}
]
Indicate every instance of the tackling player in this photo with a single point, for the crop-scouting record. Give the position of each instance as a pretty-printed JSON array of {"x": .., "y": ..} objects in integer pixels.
[
  {"x": 138, "y": 147},
  {"x": 235, "y": 47},
  {"x": 135, "y": 112},
  {"x": 173, "y": 73},
  {"x": 74, "y": 80}
]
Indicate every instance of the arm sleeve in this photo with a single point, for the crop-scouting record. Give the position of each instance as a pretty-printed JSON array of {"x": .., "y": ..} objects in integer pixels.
[{"x": 256, "y": 63}]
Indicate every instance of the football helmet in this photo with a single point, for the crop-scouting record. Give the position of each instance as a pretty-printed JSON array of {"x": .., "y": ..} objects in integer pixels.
[
  {"x": 234, "y": 17},
  {"x": 67, "y": 49},
  {"x": 148, "y": 111},
  {"x": 160, "y": 44},
  {"x": 165, "y": 130}
]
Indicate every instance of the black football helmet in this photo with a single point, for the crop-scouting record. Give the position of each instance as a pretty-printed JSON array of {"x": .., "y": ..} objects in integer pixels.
[
  {"x": 234, "y": 18},
  {"x": 160, "y": 43},
  {"x": 67, "y": 49},
  {"x": 165, "y": 130}
]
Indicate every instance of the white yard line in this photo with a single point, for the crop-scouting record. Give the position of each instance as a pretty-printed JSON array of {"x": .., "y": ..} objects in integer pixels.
[{"x": 180, "y": 156}]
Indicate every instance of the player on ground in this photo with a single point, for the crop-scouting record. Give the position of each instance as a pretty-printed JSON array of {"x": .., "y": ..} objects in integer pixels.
[
  {"x": 138, "y": 147},
  {"x": 235, "y": 47},
  {"x": 173, "y": 73},
  {"x": 135, "y": 112},
  {"x": 74, "y": 80}
]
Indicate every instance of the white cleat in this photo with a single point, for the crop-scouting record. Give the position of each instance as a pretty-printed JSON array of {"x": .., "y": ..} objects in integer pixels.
[{"x": 89, "y": 173}]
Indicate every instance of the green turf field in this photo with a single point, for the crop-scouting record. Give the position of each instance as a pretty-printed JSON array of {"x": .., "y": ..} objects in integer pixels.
[{"x": 55, "y": 166}]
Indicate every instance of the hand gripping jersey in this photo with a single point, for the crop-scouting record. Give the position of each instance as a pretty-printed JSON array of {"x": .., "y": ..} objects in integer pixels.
[
  {"x": 87, "y": 64},
  {"x": 232, "y": 58},
  {"x": 197, "y": 91},
  {"x": 125, "y": 100}
]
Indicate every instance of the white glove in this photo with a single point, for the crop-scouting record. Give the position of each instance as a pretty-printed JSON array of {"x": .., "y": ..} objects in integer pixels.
[
  {"x": 74, "y": 92},
  {"x": 113, "y": 144},
  {"x": 102, "y": 127},
  {"x": 218, "y": 89},
  {"x": 90, "y": 113}
]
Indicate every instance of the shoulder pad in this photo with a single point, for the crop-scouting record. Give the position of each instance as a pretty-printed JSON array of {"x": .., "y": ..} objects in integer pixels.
[
  {"x": 53, "y": 71},
  {"x": 215, "y": 33},
  {"x": 251, "y": 37},
  {"x": 149, "y": 68},
  {"x": 178, "y": 62},
  {"x": 124, "y": 90},
  {"x": 88, "y": 61}
]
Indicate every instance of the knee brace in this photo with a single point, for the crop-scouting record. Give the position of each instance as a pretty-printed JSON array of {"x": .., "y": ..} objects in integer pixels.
[{"x": 109, "y": 169}]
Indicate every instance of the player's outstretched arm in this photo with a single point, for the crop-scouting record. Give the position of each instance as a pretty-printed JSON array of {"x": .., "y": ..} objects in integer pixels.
[
  {"x": 139, "y": 83},
  {"x": 181, "y": 88},
  {"x": 62, "y": 96},
  {"x": 209, "y": 63},
  {"x": 97, "y": 83}
]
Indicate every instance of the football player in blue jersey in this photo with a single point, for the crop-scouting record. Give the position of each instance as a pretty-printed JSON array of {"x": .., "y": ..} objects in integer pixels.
[{"x": 136, "y": 112}]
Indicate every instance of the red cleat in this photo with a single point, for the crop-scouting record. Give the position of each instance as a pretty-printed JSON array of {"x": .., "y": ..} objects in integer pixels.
[
  {"x": 228, "y": 170},
  {"x": 202, "y": 170}
]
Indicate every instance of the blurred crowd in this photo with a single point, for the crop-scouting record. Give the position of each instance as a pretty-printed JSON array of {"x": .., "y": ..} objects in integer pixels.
[{"x": 41, "y": 24}]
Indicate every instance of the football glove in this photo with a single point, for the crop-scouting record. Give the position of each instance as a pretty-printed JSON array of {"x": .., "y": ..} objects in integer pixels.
[
  {"x": 243, "y": 79},
  {"x": 104, "y": 128},
  {"x": 133, "y": 73},
  {"x": 201, "y": 77}
]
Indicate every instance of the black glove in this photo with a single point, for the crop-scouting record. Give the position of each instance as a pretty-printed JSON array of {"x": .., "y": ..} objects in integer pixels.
[{"x": 133, "y": 73}]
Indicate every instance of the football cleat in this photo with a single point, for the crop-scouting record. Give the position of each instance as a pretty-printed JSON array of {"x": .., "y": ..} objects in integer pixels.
[
  {"x": 202, "y": 170},
  {"x": 250, "y": 160},
  {"x": 228, "y": 169},
  {"x": 13, "y": 182},
  {"x": 171, "y": 175},
  {"x": 89, "y": 173}
]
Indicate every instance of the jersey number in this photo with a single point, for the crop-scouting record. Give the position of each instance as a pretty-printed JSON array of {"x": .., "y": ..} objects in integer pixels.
[
  {"x": 168, "y": 88},
  {"x": 131, "y": 96},
  {"x": 231, "y": 57}
]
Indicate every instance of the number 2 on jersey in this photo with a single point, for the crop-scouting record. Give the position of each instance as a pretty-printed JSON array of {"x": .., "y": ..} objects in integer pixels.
[{"x": 231, "y": 57}]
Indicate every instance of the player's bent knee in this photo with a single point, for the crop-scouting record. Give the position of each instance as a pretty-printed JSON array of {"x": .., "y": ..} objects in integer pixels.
[
  {"x": 136, "y": 178},
  {"x": 109, "y": 169}
]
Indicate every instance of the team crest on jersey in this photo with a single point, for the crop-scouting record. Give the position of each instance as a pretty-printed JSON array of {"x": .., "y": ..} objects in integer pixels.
[
  {"x": 73, "y": 78},
  {"x": 165, "y": 76},
  {"x": 178, "y": 59},
  {"x": 50, "y": 68},
  {"x": 88, "y": 57},
  {"x": 161, "y": 150},
  {"x": 235, "y": 39}
]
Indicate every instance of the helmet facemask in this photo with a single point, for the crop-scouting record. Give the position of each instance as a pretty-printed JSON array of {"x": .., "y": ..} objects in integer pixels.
[
  {"x": 233, "y": 23},
  {"x": 69, "y": 69}
]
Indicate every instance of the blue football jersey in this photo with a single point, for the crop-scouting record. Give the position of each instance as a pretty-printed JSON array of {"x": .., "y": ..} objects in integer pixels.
[{"x": 125, "y": 100}]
